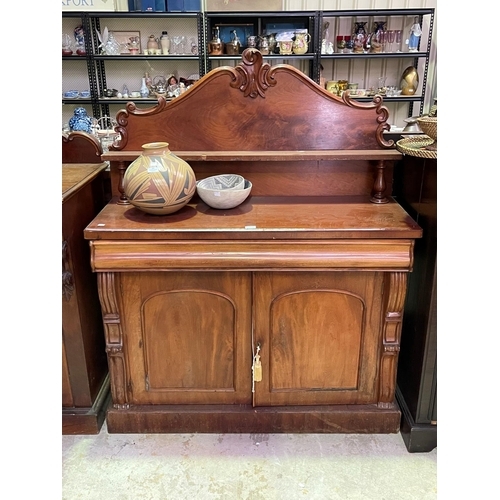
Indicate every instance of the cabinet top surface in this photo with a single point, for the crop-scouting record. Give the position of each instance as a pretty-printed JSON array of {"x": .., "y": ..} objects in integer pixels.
[
  {"x": 77, "y": 175},
  {"x": 259, "y": 218}
]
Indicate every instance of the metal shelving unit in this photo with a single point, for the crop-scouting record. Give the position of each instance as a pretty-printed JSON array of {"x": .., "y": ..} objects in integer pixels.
[
  {"x": 412, "y": 57},
  {"x": 98, "y": 66}
]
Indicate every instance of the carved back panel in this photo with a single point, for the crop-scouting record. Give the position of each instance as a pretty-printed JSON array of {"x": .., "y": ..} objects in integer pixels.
[
  {"x": 256, "y": 107},
  {"x": 80, "y": 147}
]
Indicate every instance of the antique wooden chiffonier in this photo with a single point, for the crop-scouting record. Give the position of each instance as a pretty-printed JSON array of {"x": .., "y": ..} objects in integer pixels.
[
  {"x": 310, "y": 272},
  {"x": 85, "y": 379}
]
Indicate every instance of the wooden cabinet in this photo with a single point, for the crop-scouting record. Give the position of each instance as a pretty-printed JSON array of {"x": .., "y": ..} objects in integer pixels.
[
  {"x": 181, "y": 338},
  {"x": 416, "y": 189},
  {"x": 85, "y": 379},
  {"x": 307, "y": 276}
]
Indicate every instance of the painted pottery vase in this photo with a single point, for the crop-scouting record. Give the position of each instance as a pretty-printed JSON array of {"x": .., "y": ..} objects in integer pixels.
[
  {"x": 159, "y": 182},
  {"x": 359, "y": 37},
  {"x": 377, "y": 38},
  {"x": 409, "y": 81},
  {"x": 80, "y": 121}
]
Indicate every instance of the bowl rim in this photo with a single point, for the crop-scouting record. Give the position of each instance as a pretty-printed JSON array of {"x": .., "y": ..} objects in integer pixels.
[
  {"x": 200, "y": 182},
  {"x": 247, "y": 185}
]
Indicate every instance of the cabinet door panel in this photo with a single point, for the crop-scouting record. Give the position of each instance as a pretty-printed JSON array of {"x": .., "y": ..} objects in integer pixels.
[
  {"x": 320, "y": 337},
  {"x": 318, "y": 348},
  {"x": 187, "y": 337}
]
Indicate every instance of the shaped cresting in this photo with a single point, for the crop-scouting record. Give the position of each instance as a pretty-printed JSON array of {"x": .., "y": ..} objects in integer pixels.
[{"x": 256, "y": 107}]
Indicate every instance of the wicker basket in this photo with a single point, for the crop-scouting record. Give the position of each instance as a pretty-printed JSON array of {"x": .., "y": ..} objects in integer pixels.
[{"x": 428, "y": 124}]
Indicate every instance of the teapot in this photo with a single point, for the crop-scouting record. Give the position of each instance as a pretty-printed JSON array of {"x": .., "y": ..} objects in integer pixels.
[
  {"x": 301, "y": 43},
  {"x": 233, "y": 47},
  {"x": 215, "y": 46},
  {"x": 263, "y": 45},
  {"x": 271, "y": 40}
]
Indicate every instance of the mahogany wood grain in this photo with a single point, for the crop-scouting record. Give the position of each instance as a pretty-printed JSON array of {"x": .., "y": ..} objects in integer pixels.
[
  {"x": 80, "y": 147},
  {"x": 307, "y": 268},
  {"x": 257, "y": 113},
  {"x": 150, "y": 419}
]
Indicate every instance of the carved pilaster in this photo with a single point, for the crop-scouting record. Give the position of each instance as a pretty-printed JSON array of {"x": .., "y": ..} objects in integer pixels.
[
  {"x": 67, "y": 275},
  {"x": 114, "y": 338},
  {"x": 394, "y": 299}
]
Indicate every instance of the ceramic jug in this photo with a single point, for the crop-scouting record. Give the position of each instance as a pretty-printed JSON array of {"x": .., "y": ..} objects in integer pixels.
[
  {"x": 152, "y": 43},
  {"x": 301, "y": 43}
]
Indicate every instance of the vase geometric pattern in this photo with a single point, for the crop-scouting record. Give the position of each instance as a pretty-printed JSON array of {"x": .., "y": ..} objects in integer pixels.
[{"x": 159, "y": 182}]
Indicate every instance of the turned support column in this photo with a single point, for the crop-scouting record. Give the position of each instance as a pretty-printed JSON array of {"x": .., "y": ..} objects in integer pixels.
[
  {"x": 122, "y": 166},
  {"x": 379, "y": 186}
]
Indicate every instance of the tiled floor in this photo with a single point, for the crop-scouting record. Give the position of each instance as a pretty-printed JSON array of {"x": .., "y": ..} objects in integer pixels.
[{"x": 245, "y": 467}]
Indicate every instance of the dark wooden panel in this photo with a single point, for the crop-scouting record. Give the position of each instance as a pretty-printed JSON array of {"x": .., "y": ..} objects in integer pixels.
[
  {"x": 245, "y": 419},
  {"x": 416, "y": 190}
]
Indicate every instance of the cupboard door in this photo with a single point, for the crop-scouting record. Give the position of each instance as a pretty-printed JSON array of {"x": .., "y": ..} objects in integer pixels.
[
  {"x": 320, "y": 337},
  {"x": 187, "y": 337}
]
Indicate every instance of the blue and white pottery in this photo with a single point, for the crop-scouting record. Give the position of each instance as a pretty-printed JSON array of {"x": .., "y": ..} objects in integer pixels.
[{"x": 80, "y": 121}]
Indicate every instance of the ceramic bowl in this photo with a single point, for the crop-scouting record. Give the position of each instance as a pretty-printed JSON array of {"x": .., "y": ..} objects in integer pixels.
[
  {"x": 223, "y": 182},
  {"x": 223, "y": 198}
]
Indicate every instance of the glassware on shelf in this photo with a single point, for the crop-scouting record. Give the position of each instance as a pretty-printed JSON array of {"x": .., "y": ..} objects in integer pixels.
[
  {"x": 183, "y": 45},
  {"x": 176, "y": 45},
  {"x": 391, "y": 35},
  {"x": 381, "y": 88},
  {"x": 398, "y": 38},
  {"x": 194, "y": 46},
  {"x": 104, "y": 129},
  {"x": 66, "y": 45},
  {"x": 340, "y": 44},
  {"x": 109, "y": 45}
]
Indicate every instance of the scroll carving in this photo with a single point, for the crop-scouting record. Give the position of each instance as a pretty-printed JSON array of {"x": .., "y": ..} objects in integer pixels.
[
  {"x": 382, "y": 112},
  {"x": 67, "y": 275},
  {"x": 395, "y": 293},
  {"x": 252, "y": 75},
  {"x": 114, "y": 338}
]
